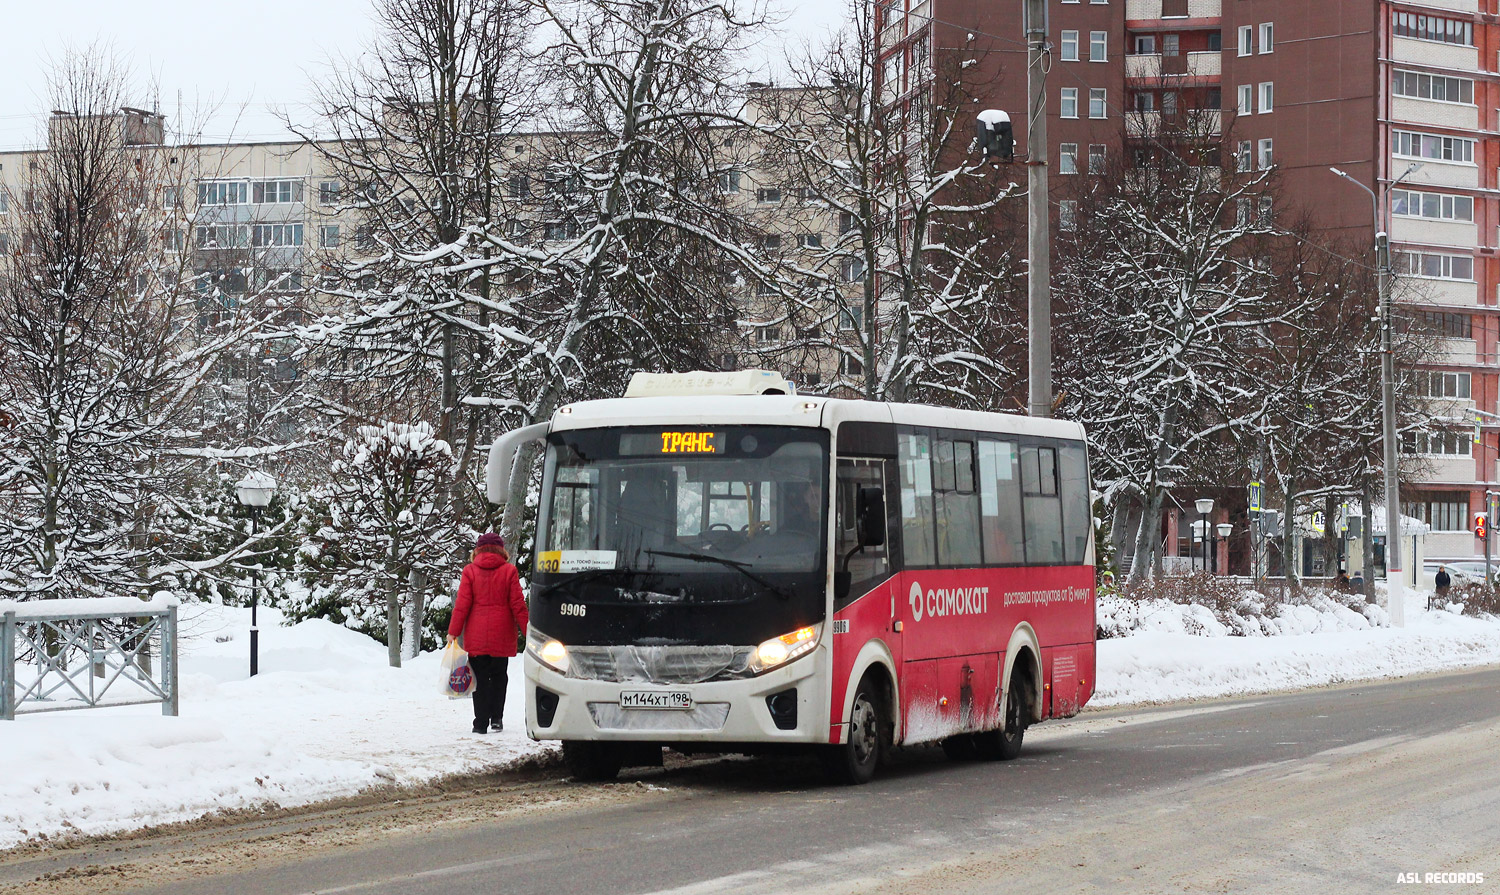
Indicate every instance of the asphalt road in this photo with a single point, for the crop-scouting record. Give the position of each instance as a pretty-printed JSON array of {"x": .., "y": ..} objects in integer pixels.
[{"x": 1334, "y": 790}]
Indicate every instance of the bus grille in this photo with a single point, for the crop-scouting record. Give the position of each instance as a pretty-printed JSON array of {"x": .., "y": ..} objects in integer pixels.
[{"x": 660, "y": 664}]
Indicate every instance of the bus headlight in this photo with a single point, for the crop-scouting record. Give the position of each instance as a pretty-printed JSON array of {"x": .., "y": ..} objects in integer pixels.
[
  {"x": 549, "y": 652},
  {"x": 783, "y": 649}
]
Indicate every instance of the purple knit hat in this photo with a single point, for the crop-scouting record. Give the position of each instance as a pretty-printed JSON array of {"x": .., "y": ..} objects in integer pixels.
[{"x": 490, "y": 539}]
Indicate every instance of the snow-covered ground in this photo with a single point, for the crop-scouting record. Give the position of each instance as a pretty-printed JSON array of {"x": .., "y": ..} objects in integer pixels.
[{"x": 327, "y": 718}]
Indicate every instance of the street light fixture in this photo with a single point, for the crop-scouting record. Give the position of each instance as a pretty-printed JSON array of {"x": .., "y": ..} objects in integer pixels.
[
  {"x": 1393, "y": 580},
  {"x": 1205, "y": 506},
  {"x": 255, "y": 491}
]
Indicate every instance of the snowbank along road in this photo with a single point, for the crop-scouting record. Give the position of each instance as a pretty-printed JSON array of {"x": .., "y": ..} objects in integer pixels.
[{"x": 1351, "y": 789}]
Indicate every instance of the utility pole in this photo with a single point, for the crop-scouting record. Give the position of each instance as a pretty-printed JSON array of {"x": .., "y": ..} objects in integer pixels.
[
  {"x": 1394, "y": 585},
  {"x": 1038, "y": 217}
]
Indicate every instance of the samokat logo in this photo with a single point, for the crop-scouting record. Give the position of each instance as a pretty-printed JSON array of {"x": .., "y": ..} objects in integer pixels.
[{"x": 945, "y": 601}]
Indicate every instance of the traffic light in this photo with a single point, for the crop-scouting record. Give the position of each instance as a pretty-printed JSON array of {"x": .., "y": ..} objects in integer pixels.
[{"x": 1481, "y": 526}]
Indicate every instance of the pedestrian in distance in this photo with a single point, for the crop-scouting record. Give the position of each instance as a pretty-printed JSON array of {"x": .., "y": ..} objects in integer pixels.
[
  {"x": 1342, "y": 582},
  {"x": 1441, "y": 582},
  {"x": 490, "y": 613}
]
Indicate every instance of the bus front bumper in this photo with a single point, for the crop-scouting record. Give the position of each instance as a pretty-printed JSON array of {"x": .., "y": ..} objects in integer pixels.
[{"x": 785, "y": 705}]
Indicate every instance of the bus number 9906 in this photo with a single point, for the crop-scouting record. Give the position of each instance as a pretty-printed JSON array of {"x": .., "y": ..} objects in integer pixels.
[{"x": 573, "y": 609}]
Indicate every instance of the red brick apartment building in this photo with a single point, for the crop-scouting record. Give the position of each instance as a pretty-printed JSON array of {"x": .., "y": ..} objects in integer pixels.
[{"x": 1369, "y": 87}]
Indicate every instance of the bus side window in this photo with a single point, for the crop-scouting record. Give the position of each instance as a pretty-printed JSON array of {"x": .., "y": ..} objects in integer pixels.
[
  {"x": 1000, "y": 502},
  {"x": 1041, "y": 506},
  {"x": 915, "y": 453},
  {"x": 871, "y": 563},
  {"x": 957, "y": 505},
  {"x": 1077, "y": 511}
]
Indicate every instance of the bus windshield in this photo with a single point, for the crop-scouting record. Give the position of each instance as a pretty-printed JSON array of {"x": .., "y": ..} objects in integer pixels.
[{"x": 746, "y": 499}]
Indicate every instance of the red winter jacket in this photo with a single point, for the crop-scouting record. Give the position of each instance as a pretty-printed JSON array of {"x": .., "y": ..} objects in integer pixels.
[{"x": 490, "y": 608}]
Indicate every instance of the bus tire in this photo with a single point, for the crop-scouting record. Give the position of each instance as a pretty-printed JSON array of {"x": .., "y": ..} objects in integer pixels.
[
  {"x": 1005, "y": 744},
  {"x": 592, "y": 762},
  {"x": 854, "y": 761}
]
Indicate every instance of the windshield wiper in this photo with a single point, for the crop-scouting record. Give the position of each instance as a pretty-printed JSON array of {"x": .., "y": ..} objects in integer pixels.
[
  {"x": 581, "y": 577},
  {"x": 741, "y": 567}
]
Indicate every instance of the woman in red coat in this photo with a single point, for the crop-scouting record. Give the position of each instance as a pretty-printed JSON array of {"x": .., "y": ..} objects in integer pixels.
[{"x": 489, "y": 613}]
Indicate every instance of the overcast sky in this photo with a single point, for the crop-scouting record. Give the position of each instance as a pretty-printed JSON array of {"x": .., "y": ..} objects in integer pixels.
[{"x": 243, "y": 60}]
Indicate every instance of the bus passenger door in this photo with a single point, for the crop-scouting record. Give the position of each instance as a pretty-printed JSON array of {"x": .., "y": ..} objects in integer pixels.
[{"x": 865, "y": 600}]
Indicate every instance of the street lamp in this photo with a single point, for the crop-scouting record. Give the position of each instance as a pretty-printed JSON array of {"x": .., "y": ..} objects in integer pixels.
[
  {"x": 1387, "y": 397},
  {"x": 254, "y": 491},
  {"x": 1226, "y": 529},
  {"x": 1205, "y": 506}
]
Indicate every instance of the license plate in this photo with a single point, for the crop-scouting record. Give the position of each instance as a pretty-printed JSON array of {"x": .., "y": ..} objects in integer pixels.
[{"x": 656, "y": 699}]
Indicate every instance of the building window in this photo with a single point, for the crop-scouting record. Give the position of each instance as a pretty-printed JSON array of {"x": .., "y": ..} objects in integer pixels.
[
  {"x": 4, "y": 203},
  {"x": 364, "y": 238},
  {"x": 1242, "y": 160},
  {"x": 1267, "y": 91},
  {"x": 1266, "y": 211},
  {"x": 1067, "y": 214},
  {"x": 223, "y": 192},
  {"x": 729, "y": 181},
  {"x": 851, "y": 318},
  {"x": 1263, "y": 153},
  {"x": 1145, "y": 44},
  {"x": 770, "y": 242},
  {"x": 1433, "y": 206},
  {"x": 1418, "y": 85},
  {"x": 1242, "y": 212},
  {"x": 1098, "y": 46},
  {"x": 557, "y": 230},
  {"x": 849, "y": 365},
  {"x": 328, "y": 236},
  {"x": 1448, "y": 385},
  {"x": 276, "y": 235},
  {"x": 1452, "y": 326},
  {"x": 1097, "y": 102},
  {"x": 1436, "y": 28},
  {"x": 846, "y": 221},
  {"x": 1436, "y": 266},
  {"x": 1070, "y": 46},
  {"x": 810, "y": 240},
  {"x": 4, "y": 243},
  {"x": 1145, "y": 102},
  {"x": 1432, "y": 146},
  {"x": 768, "y": 195},
  {"x": 1267, "y": 37},
  {"x": 852, "y": 269},
  {"x": 1067, "y": 158},
  {"x": 172, "y": 239},
  {"x": 768, "y": 334},
  {"x": 1096, "y": 158},
  {"x": 1171, "y": 45},
  {"x": 277, "y": 192},
  {"x": 1247, "y": 40},
  {"x": 1247, "y": 99},
  {"x": 328, "y": 192},
  {"x": 519, "y": 186},
  {"x": 1443, "y": 443},
  {"x": 1443, "y": 511},
  {"x": 222, "y": 236},
  {"x": 1069, "y": 102}
]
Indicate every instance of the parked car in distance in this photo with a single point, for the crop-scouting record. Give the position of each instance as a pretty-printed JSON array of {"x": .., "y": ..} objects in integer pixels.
[{"x": 1462, "y": 571}]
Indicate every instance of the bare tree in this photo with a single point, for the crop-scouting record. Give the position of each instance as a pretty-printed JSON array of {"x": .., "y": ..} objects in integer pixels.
[{"x": 103, "y": 352}]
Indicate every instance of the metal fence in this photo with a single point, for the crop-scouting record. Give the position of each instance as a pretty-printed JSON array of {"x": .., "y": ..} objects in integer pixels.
[{"x": 57, "y": 655}]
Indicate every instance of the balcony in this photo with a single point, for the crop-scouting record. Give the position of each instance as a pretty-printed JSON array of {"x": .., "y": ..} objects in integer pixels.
[
  {"x": 1446, "y": 293},
  {"x": 1204, "y": 66},
  {"x": 1423, "y": 111},
  {"x": 1206, "y": 123},
  {"x": 1421, "y": 231},
  {"x": 1433, "y": 53},
  {"x": 1173, "y": 9}
]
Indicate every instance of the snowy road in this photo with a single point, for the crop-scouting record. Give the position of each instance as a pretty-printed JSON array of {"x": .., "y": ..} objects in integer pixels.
[{"x": 1339, "y": 789}]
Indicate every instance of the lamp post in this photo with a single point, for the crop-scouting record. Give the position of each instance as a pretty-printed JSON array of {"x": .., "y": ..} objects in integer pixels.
[
  {"x": 1387, "y": 397},
  {"x": 1205, "y": 506},
  {"x": 1226, "y": 530},
  {"x": 254, "y": 491}
]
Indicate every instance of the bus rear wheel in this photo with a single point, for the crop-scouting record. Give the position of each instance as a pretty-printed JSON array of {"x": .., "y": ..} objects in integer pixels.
[
  {"x": 855, "y": 760},
  {"x": 1005, "y": 744},
  {"x": 592, "y": 762}
]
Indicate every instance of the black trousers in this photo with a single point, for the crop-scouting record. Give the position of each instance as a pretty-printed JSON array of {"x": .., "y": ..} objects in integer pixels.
[{"x": 491, "y": 674}]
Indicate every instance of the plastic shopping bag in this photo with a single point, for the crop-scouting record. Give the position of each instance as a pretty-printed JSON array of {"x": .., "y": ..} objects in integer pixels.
[{"x": 458, "y": 677}]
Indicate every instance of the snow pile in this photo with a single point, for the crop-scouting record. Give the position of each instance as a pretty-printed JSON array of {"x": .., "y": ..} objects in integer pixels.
[
  {"x": 325, "y": 718},
  {"x": 1177, "y": 651},
  {"x": 1245, "y": 614}
]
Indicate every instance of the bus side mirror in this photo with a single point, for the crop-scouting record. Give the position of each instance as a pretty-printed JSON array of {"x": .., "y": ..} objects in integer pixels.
[{"x": 870, "y": 513}]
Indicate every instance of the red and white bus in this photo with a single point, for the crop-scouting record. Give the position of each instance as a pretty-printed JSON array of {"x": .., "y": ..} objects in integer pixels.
[{"x": 722, "y": 565}]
